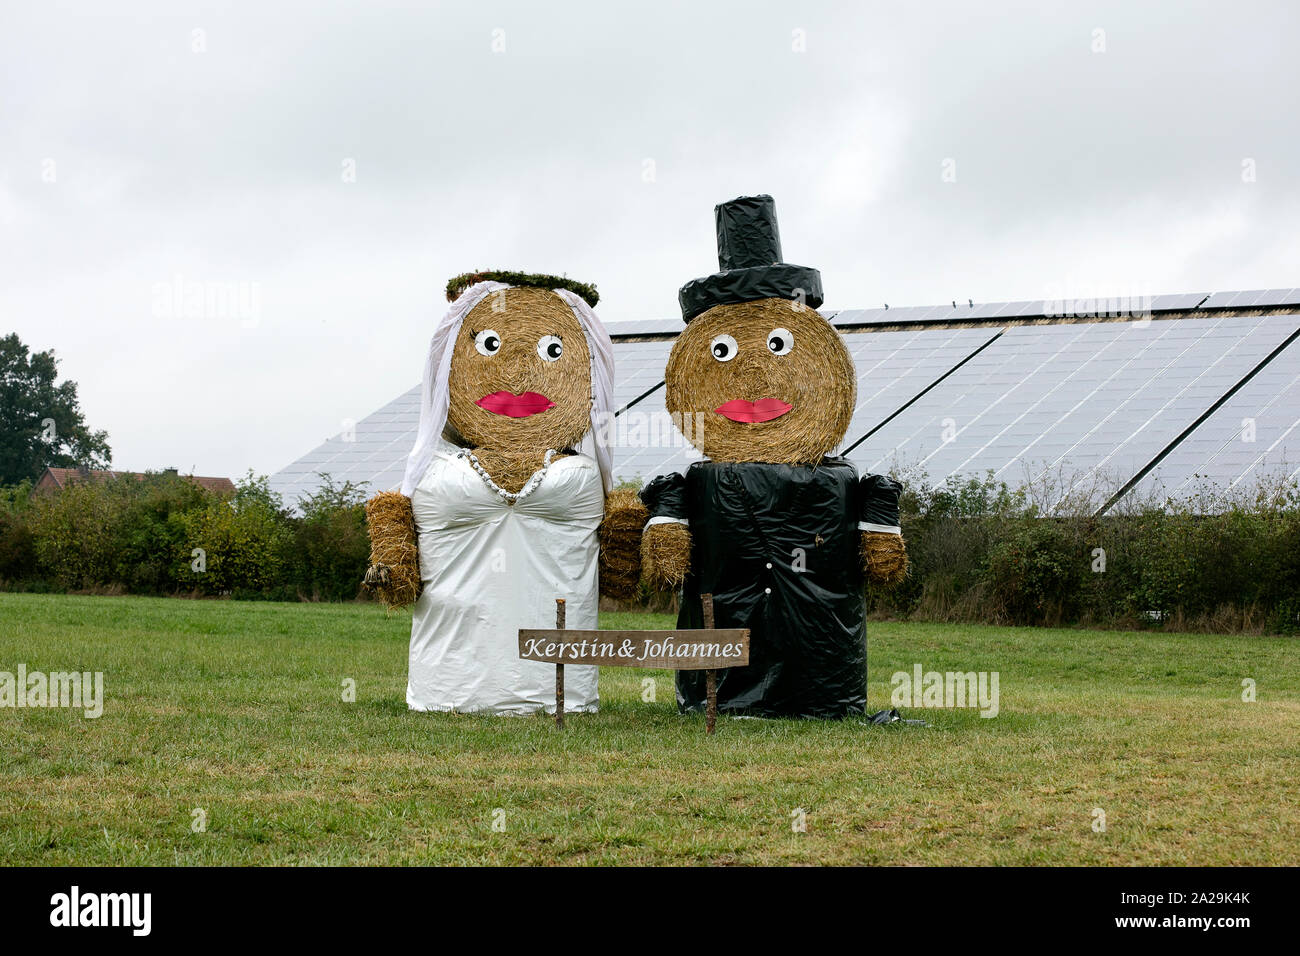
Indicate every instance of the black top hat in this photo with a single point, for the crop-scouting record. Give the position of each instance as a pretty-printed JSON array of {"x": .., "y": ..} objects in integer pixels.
[{"x": 749, "y": 260}]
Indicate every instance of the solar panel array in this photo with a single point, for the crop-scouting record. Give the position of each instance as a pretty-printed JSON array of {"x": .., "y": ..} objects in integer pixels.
[
  {"x": 1255, "y": 299},
  {"x": 1253, "y": 436},
  {"x": 1080, "y": 307},
  {"x": 638, "y": 367},
  {"x": 1073, "y": 409},
  {"x": 374, "y": 452},
  {"x": 1069, "y": 406},
  {"x": 929, "y": 314},
  {"x": 649, "y": 444},
  {"x": 894, "y": 368}
]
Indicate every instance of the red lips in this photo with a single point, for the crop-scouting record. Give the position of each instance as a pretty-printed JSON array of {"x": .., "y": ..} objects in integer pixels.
[
  {"x": 763, "y": 410},
  {"x": 515, "y": 406}
]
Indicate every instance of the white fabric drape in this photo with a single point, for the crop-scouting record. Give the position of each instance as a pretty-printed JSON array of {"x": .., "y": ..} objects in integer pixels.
[
  {"x": 491, "y": 568},
  {"x": 434, "y": 388},
  {"x": 602, "y": 383}
]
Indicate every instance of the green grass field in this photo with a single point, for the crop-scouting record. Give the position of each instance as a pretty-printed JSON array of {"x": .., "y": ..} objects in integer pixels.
[{"x": 235, "y": 709}]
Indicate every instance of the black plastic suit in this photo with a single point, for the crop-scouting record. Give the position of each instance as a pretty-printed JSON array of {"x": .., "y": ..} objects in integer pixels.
[{"x": 777, "y": 546}]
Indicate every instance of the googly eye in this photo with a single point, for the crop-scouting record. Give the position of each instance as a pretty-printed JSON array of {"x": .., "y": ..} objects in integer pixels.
[
  {"x": 487, "y": 342},
  {"x": 780, "y": 341},
  {"x": 723, "y": 348},
  {"x": 549, "y": 348}
]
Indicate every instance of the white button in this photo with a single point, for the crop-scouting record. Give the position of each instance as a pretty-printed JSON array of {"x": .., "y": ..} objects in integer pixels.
[
  {"x": 769, "y": 565},
  {"x": 767, "y": 590}
]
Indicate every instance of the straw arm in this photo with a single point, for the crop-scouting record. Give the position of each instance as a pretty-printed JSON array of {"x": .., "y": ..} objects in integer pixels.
[
  {"x": 394, "y": 571},
  {"x": 884, "y": 558},
  {"x": 666, "y": 554},
  {"x": 620, "y": 544}
]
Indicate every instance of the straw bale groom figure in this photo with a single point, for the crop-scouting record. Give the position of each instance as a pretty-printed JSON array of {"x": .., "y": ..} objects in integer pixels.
[
  {"x": 500, "y": 511},
  {"x": 781, "y": 534}
]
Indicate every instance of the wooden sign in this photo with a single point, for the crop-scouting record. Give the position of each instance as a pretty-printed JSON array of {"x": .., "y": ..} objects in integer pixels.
[
  {"x": 702, "y": 650},
  {"x": 674, "y": 650}
]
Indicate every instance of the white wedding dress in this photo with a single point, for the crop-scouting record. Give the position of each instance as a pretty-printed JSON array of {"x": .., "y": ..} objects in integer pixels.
[{"x": 490, "y": 568}]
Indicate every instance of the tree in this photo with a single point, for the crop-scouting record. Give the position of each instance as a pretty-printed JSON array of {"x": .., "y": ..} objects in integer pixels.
[
  {"x": 41, "y": 423},
  {"x": 332, "y": 547}
]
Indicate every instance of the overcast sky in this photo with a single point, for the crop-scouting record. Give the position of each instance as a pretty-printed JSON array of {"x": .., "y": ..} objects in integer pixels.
[{"x": 334, "y": 163}]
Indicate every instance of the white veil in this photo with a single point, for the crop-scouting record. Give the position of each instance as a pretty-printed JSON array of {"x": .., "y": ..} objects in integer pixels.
[{"x": 437, "y": 372}]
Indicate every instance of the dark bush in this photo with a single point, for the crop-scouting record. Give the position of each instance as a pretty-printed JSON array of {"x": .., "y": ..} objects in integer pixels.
[
  {"x": 17, "y": 545},
  {"x": 980, "y": 551},
  {"x": 243, "y": 543},
  {"x": 152, "y": 531},
  {"x": 75, "y": 534},
  {"x": 1036, "y": 571},
  {"x": 162, "y": 534},
  {"x": 331, "y": 544}
]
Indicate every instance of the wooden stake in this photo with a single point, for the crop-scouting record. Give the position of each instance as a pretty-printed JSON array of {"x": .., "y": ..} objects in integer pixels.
[
  {"x": 559, "y": 668},
  {"x": 710, "y": 675}
]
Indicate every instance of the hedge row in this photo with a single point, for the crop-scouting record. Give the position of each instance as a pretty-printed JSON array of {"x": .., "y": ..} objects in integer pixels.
[
  {"x": 980, "y": 551},
  {"x": 164, "y": 535}
]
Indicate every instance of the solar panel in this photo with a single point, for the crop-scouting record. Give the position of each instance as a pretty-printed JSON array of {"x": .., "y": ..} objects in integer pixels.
[
  {"x": 1255, "y": 434},
  {"x": 1088, "y": 401},
  {"x": 1275, "y": 297},
  {"x": 860, "y": 316},
  {"x": 637, "y": 327},
  {"x": 894, "y": 367},
  {"x": 1218, "y": 300},
  {"x": 637, "y": 367},
  {"x": 945, "y": 313},
  {"x": 985, "y": 310},
  {"x": 1177, "y": 371},
  {"x": 909, "y": 313},
  {"x": 1176, "y": 303},
  {"x": 930, "y": 420},
  {"x": 1253, "y": 299},
  {"x": 981, "y": 311},
  {"x": 1034, "y": 307},
  {"x": 373, "y": 454},
  {"x": 1072, "y": 404},
  {"x": 647, "y": 443}
]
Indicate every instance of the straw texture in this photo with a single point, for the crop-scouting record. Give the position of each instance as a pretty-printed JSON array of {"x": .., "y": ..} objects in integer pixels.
[
  {"x": 394, "y": 572},
  {"x": 620, "y": 543},
  {"x": 511, "y": 469},
  {"x": 817, "y": 377},
  {"x": 520, "y": 318},
  {"x": 884, "y": 558},
  {"x": 666, "y": 554}
]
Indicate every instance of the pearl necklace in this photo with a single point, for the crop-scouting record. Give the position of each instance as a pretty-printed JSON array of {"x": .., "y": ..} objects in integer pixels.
[{"x": 510, "y": 497}]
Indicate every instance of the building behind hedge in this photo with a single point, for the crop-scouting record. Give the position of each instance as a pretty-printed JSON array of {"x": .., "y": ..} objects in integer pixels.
[{"x": 57, "y": 479}]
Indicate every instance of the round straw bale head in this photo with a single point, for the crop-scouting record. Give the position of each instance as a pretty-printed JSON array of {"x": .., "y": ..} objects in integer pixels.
[
  {"x": 770, "y": 349},
  {"x": 520, "y": 342}
]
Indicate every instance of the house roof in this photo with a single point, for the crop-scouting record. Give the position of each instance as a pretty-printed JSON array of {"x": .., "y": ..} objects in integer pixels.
[{"x": 62, "y": 477}]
